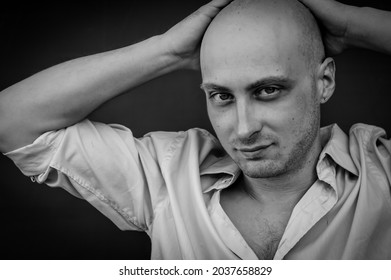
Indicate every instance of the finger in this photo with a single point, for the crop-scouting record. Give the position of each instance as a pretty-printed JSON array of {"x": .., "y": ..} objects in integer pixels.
[
  {"x": 212, "y": 8},
  {"x": 219, "y": 3},
  {"x": 332, "y": 14},
  {"x": 321, "y": 7},
  {"x": 315, "y": 2}
]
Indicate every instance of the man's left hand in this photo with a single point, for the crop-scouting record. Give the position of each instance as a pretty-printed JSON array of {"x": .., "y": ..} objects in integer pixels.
[
  {"x": 333, "y": 16},
  {"x": 348, "y": 26}
]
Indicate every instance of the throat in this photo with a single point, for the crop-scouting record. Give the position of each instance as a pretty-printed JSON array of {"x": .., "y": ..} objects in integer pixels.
[{"x": 276, "y": 191}]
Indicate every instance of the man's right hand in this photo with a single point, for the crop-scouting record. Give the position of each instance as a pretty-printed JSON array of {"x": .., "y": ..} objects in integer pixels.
[{"x": 184, "y": 39}]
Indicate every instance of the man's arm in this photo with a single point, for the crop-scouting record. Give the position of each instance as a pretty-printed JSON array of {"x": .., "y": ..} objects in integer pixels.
[
  {"x": 352, "y": 27},
  {"x": 65, "y": 94}
]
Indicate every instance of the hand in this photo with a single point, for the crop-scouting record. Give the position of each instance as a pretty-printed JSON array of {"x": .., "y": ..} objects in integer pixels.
[
  {"x": 184, "y": 39},
  {"x": 333, "y": 17}
]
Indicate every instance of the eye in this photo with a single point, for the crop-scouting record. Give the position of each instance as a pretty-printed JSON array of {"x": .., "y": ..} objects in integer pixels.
[
  {"x": 221, "y": 98},
  {"x": 270, "y": 90},
  {"x": 267, "y": 92}
]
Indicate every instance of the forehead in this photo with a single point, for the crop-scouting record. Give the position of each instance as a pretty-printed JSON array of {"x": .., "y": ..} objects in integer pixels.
[
  {"x": 244, "y": 63},
  {"x": 242, "y": 49}
]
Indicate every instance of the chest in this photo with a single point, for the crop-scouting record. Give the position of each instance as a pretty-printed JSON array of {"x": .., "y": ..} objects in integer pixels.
[{"x": 262, "y": 229}]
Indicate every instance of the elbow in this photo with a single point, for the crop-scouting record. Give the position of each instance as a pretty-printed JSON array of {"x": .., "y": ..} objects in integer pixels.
[
  {"x": 3, "y": 125},
  {"x": 15, "y": 124},
  {"x": 13, "y": 134},
  {"x": 6, "y": 138},
  {"x": 13, "y": 137},
  {"x": 5, "y": 122}
]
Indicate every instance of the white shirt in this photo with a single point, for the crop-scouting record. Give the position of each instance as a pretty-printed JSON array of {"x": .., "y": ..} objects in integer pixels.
[{"x": 168, "y": 185}]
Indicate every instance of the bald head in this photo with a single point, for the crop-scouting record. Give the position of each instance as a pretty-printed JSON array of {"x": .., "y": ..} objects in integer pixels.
[{"x": 256, "y": 29}]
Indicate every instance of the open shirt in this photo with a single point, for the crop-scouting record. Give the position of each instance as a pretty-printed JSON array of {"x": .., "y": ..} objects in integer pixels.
[{"x": 168, "y": 185}]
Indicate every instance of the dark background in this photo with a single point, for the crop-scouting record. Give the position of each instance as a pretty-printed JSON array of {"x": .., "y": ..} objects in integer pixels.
[{"x": 38, "y": 222}]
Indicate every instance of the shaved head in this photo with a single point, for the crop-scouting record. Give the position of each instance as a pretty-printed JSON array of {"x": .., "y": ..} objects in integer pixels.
[{"x": 286, "y": 22}]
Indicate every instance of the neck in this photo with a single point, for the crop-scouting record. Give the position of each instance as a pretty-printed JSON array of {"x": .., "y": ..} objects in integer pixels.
[{"x": 288, "y": 187}]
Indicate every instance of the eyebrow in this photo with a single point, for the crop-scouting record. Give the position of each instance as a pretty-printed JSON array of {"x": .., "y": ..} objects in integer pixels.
[
  {"x": 211, "y": 86},
  {"x": 282, "y": 80}
]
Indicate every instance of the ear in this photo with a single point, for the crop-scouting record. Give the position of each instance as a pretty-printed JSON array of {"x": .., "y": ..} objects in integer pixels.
[{"x": 326, "y": 80}]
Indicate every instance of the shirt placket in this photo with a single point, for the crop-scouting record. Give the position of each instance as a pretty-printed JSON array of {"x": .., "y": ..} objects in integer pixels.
[
  {"x": 226, "y": 229},
  {"x": 314, "y": 205}
]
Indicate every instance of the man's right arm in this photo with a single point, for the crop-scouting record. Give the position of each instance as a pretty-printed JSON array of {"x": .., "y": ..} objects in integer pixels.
[{"x": 65, "y": 94}]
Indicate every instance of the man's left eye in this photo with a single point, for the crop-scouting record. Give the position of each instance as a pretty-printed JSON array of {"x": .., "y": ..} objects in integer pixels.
[
  {"x": 267, "y": 92},
  {"x": 270, "y": 90}
]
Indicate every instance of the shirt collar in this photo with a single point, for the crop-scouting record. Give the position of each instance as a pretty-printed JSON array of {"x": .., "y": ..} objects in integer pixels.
[
  {"x": 336, "y": 145},
  {"x": 224, "y": 164},
  {"x": 221, "y": 166},
  {"x": 334, "y": 141}
]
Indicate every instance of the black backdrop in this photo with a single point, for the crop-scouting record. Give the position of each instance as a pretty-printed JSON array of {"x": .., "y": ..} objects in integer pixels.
[{"x": 38, "y": 222}]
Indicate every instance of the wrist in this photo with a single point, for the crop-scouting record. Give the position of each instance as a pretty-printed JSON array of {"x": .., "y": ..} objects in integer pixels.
[
  {"x": 172, "y": 59},
  {"x": 351, "y": 33},
  {"x": 359, "y": 31}
]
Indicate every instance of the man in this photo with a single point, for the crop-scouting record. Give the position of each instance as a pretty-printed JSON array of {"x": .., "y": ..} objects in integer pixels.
[{"x": 275, "y": 186}]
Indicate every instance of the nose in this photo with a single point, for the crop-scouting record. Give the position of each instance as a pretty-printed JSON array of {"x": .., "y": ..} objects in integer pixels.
[{"x": 247, "y": 123}]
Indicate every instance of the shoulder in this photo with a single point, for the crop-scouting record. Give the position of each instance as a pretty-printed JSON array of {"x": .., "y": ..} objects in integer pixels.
[
  {"x": 370, "y": 149},
  {"x": 370, "y": 138},
  {"x": 367, "y": 129}
]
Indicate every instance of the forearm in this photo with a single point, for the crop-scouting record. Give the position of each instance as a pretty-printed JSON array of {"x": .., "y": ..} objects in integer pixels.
[
  {"x": 370, "y": 28},
  {"x": 65, "y": 94}
]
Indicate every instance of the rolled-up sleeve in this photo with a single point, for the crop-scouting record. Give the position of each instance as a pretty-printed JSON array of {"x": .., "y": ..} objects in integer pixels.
[{"x": 103, "y": 164}]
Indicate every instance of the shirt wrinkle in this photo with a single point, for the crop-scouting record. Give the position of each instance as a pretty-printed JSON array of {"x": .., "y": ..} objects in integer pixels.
[{"x": 96, "y": 193}]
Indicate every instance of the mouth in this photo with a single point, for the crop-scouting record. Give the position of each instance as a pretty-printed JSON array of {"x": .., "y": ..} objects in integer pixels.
[{"x": 254, "y": 151}]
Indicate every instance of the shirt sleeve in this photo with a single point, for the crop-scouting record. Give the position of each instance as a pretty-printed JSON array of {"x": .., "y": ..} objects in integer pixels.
[
  {"x": 103, "y": 164},
  {"x": 374, "y": 153},
  {"x": 382, "y": 149}
]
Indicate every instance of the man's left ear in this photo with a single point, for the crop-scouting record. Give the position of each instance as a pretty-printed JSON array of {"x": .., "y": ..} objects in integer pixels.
[{"x": 326, "y": 79}]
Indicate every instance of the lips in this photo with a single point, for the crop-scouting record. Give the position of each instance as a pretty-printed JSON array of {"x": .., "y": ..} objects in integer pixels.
[{"x": 253, "y": 151}]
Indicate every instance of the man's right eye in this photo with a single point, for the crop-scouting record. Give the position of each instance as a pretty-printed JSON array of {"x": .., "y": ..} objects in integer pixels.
[{"x": 220, "y": 97}]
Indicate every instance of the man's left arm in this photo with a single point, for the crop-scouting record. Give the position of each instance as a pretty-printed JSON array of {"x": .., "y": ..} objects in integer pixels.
[{"x": 352, "y": 27}]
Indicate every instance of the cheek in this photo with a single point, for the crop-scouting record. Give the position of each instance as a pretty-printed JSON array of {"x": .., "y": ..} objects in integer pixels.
[
  {"x": 296, "y": 118},
  {"x": 221, "y": 123}
]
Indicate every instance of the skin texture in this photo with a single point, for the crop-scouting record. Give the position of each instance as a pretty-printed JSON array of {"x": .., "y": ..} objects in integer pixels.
[{"x": 265, "y": 76}]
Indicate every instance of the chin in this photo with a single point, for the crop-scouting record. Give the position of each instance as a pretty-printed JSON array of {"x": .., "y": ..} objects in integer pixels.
[{"x": 262, "y": 168}]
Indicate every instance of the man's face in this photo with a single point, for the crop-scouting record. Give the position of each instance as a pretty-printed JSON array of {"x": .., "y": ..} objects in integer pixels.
[{"x": 261, "y": 100}]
